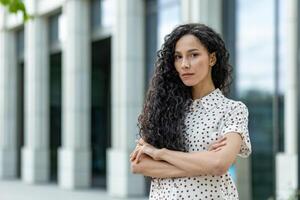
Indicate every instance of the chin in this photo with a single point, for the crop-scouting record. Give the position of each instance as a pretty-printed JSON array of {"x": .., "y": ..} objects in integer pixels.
[{"x": 189, "y": 83}]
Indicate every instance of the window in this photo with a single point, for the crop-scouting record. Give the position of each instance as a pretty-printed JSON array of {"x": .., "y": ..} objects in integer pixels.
[
  {"x": 55, "y": 32},
  {"x": 102, "y": 13},
  {"x": 53, "y": 29},
  {"x": 161, "y": 17},
  {"x": 20, "y": 91},
  {"x": 55, "y": 93},
  {"x": 20, "y": 44}
]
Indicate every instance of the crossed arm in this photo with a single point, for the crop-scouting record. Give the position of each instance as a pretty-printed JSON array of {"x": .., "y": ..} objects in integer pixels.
[
  {"x": 164, "y": 163},
  {"x": 158, "y": 169}
]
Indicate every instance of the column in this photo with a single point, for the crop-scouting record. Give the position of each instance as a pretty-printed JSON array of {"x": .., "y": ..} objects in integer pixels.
[
  {"x": 287, "y": 162},
  {"x": 127, "y": 97},
  {"x": 35, "y": 153},
  {"x": 75, "y": 153},
  {"x": 244, "y": 178},
  {"x": 208, "y": 12},
  {"x": 8, "y": 104}
]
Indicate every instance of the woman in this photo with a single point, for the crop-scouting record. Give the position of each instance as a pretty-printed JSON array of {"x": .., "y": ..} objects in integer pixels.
[{"x": 190, "y": 132}]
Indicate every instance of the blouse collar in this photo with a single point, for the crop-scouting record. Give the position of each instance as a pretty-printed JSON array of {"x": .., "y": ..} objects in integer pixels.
[{"x": 210, "y": 100}]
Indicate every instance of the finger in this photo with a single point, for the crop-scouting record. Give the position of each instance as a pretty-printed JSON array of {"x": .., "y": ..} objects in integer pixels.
[
  {"x": 211, "y": 147},
  {"x": 219, "y": 144},
  {"x": 221, "y": 139},
  {"x": 133, "y": 157},
  {"x": 216, "y": 142},
  {"x": 139, "y": 154},
  {"x": 148, "y": 150},
  {"x": 137, "y": 157},
  {"x": 216, "y": 150},
  {"x": 134, "y": 154},
  {"x": 215, "y": 146},
  {"x": 134, "y": 150}
]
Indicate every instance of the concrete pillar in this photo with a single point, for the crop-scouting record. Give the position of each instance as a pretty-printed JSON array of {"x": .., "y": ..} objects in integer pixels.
[
  {"x": 75, "y": 153},
  {"x": 208, "y": 12},
  {"x": 8, "y": 104},
  {"x": 127, "y": 96},
  {"x": 35, "y": 153},
  {"x": 244, "y": 178},
  {"x": 286, "y": 183}
]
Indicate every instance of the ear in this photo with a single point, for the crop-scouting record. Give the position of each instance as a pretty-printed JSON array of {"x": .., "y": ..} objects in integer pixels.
[{"x": 212, "y": 59}]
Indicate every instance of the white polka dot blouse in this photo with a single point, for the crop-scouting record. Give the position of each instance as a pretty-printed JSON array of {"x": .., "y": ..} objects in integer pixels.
[{"x": 208, "y": 119}]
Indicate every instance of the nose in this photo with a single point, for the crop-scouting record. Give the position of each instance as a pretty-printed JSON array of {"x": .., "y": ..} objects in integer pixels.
[{"x": 185, "y": 63}]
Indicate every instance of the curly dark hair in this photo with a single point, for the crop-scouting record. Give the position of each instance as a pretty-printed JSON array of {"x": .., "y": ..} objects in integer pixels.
[{"x": 161, "y": 122}]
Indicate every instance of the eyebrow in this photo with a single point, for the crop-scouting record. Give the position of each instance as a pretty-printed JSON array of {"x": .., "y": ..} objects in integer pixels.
[{"x": 190, "y": 50}]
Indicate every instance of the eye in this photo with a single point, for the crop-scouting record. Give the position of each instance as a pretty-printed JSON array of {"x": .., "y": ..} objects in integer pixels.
[
  {"x": 194, "y": 55},
  {"x": 177, "y": 57}
]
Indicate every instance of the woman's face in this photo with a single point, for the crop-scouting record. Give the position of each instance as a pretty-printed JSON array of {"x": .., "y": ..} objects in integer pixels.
[{"x": 192, "y": 61}]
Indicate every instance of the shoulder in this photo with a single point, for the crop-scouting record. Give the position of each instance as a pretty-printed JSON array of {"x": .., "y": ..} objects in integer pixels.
[{"x": 231, "y": 105}]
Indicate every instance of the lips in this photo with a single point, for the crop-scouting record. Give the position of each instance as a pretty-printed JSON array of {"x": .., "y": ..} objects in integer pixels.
[{"x": 187, "y": 75}]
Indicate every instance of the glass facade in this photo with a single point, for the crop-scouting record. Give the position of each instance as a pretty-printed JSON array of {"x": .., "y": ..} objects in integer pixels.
[
  {"x": 255, "y": 86},
  {"x": 55, "y": 95},
  {"x": 281, "y": 70},
  {"x": 55, "y": 111},
  {"x": 168, "y": 17},
  {"x": 151, "y": 39},
  {"x": 100, "y": 119},
  {"x": 20, "y": 44},
  {"x": 161, "y": 17},
  {"x": 102, "y": 13},
  {"x": 20, "y": 94},
  {"x": 53, "y": 29},
  {"x": 260, "y": 61}
]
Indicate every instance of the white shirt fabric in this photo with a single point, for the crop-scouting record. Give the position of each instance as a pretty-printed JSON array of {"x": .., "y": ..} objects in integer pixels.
[{"x": 209, "y": 118}]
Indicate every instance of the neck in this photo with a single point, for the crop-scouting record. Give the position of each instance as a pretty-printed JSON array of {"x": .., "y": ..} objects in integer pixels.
[{"x": 202, "y": 90}]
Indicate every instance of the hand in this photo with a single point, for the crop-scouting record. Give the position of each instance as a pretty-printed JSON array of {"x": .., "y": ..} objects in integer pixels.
[
  {"x": 140, "y": 143},
  {"x": 143, "y": 147},
  {"x": 217, "y": 146},
  {"x": 135, "y": 152}
]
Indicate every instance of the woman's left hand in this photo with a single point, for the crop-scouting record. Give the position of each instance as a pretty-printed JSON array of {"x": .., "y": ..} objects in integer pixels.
[{"x": 143, "y": 147}]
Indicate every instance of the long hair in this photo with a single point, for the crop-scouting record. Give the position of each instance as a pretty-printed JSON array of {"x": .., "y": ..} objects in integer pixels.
[{"x": 161, "y": 122}]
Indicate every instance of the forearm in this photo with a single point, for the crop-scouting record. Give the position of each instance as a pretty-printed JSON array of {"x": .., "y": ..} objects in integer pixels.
[
  {"x": 157, "y": 169},
  {"x": 197, "y": 163},
  {"x": 216, "y": 162}
]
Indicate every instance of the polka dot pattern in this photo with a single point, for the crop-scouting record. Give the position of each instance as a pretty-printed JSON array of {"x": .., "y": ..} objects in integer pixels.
[{"x": 208, "y": 119}]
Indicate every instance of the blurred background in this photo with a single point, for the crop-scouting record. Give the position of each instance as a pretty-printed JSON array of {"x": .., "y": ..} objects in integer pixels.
[{"x": 74, "y": 76}]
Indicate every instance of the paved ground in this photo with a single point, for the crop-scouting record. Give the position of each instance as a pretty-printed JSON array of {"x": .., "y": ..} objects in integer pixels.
[{"x": 17, "y": 190}]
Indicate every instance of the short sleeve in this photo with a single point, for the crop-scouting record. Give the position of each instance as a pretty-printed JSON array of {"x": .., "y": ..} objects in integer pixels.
[{"x": 236, "y": 120}]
